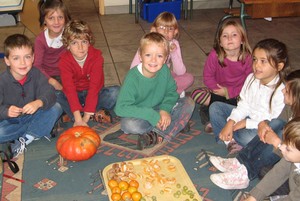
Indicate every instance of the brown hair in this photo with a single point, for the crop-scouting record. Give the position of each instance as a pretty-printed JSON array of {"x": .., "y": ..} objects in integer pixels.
[
  {"x": 165, "y": 19},
  {"x": 77, "y": 29},
  {"x": 276, "y": 53},
  {"x": 46, "y": 6},
  {"x": 291, "y": 133},
  {"x": 16, "y": 41},
  {"x": 156, "y": 38},
  {"x": 245, "y": 48},
  {"x": 292, "y": 86}
]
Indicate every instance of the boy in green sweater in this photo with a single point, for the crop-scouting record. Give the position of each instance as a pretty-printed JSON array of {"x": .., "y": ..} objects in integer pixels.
[{"x": 148, "y": 102}]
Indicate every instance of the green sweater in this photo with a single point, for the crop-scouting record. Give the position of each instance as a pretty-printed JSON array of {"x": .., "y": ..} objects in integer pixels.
[{"x": 140, "y": 96}]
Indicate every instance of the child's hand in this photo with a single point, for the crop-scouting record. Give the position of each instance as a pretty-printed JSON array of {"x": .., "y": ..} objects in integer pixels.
[
  {"x": 80, "y": 123},
  {"x": 239, "y": 125},
  {"x": 86, "y": 117},
  {"x": 165, "y": 120},
  {"x": 221, "y": 91},
  {"x": 262, "y": 129},
  {"x": 32, "y": 107},
  {"x": 14, "y": 111},
  {"x": 272, "y": 138},
  {"x": 55, "y": 84},
  {"x": 226, "y": 133},
  {"x": 172, "y": 46}
]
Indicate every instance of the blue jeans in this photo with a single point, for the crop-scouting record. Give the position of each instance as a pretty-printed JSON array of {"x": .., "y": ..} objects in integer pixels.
[
  {"x": 180, "y": 115},
  {"x": 219, "y": 112},
  {"x": 107, "y": 99},
  {"x": 37, "y": 125},
  {"x": 257, "y": 154}
]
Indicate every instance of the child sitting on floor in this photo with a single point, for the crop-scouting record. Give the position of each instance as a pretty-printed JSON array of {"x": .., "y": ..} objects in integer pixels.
[
  {"x": 166, "y": 24},
  {"x": 261, "y": 97},
  {"x": 81, "y": 69},
  {"x": 225, "y": 70},
  {"x": 28, "y": 108},
  {"x": 288, "y": 168},
  {"x": 148, "y": 102}
]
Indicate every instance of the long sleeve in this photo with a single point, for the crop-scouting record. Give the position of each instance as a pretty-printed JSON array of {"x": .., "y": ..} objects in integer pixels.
[
  {"x": 254, "y": 102},
  {"x": 139, "y": 96},
  {"x": 176, "y": 58},
  {"x": 231, "y": 76}
]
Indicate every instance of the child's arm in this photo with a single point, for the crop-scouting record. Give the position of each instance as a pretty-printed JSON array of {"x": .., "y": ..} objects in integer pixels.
[
  {"x": 78, "y": 120},
  {"x": 227, "y": 132},
  {"x": 177, "y": 62},
  {"x": 136, "y": 60},
  {"x": 55, "y": 84},
  {"x": 32, "y": 107},
  {"x": 164, "y": 121},
  {"x": 14, "y": 111},
  {"x": 210, "y": 70}
]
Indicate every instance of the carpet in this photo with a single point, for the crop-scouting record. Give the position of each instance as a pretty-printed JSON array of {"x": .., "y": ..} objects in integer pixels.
[{"x": 47, "y": 180}]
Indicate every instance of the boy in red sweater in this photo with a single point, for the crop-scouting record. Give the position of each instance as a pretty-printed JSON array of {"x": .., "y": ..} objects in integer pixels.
[{"x": 82, "y": 76}]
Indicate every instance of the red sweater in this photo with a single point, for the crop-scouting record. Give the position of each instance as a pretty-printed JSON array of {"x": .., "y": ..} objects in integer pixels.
[{"x": 90, "y": 78}]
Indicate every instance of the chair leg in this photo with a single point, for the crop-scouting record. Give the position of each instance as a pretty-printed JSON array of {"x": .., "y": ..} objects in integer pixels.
[
  {"x": 130, "y": 6},
  {"x": 191, "y": 9},
  {"x": 137, "y": 11}
]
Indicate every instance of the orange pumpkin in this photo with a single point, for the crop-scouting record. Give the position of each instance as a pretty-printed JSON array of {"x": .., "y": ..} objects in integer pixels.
[{"x": 78, "y": 143}]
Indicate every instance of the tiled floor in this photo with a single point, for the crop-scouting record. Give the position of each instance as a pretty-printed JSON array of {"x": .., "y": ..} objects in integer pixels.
[{"x": 118, "y": 37}]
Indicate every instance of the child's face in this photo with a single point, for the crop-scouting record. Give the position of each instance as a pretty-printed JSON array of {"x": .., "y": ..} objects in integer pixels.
[
  {"x": 262, "y": 68},
  {"x": 20, "y": 61},
  {"x": 79, "y": 48},
  {"x": 55, "y": 22},
  {"x": 230, "y": 39},
  {"x": 290, "y": 153},
  {"x": 288, "y": 98},
  {"x": 168, "y": 32},
  {"x": 153, "y": 56}
]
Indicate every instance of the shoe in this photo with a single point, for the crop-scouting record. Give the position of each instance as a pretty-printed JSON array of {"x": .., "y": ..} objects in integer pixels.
[
  {"x": 208, "y": 128},
  {"x": 233, "y": 148},
  {"x": 148, "y": 140},
  {"x": 225, "y": 164},
  {"x": 237, "y": 179},
  {"x": 18, "y": 147}
]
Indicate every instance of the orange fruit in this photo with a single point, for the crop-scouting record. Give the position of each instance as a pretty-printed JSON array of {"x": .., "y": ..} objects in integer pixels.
[
  {"x": 134, "y": 183},
  {"x": 112, "y": 183},
  {"x": 131, "y": 189},
  {"x": 123, "y": 185},
  {"x": 136, "y": 196},
  {"x": 126, "y": 196},
  {"x": 116, "y": 196},
  {"x": 116, "y": 189}
]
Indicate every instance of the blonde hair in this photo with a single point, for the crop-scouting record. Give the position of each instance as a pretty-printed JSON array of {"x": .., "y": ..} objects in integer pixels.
[
  {"x": 77, "y": 29},
  {"x": 156, "y": 38},
  {"x": 291, "y": 133},
  {"x": 245, "y": 48},
  {"x": 165, "y": 19}
]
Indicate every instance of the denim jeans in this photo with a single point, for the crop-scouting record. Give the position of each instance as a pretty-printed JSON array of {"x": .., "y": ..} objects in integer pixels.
[
  {"x": 107, "y": 99},
  {"x": 37, "y": 125},
  {"x": 257, "y": 155},
  {"x": 180, "y": 115},
  {"x": 219, "y": 112}
]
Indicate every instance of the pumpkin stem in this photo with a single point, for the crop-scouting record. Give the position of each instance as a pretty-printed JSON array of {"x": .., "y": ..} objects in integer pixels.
[{"x": 77, "y": 134}]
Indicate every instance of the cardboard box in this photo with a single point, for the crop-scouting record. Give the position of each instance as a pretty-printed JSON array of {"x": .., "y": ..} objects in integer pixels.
[
  {"x": 30, "y": 16},
  {"x": 149, "y": 11}
]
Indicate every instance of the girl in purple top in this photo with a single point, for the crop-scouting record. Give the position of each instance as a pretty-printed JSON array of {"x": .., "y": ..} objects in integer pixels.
[
  {"x": 166, "y": 24},
  {"x": 48, "y": 45},
  {"x": 225, "y": 70}
]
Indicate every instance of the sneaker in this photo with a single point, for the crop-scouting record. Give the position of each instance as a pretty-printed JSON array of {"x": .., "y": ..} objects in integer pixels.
[
  {"x": 18, "y": 147},
  {"x": 225, "y": 164},
  {"x": 237, "y": 179}
]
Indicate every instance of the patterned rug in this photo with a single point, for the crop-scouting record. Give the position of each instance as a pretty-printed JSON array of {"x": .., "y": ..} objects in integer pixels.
[{"x": 48, "y": 178}]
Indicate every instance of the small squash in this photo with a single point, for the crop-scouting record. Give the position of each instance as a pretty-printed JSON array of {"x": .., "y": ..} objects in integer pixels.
[{"x": 78, "y": 143}]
